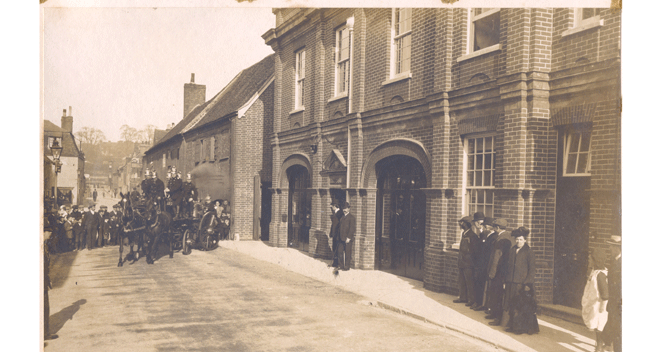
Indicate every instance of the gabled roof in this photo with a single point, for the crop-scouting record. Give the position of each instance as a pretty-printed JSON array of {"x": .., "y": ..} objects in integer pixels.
[
  {"x": 228, "y": 101},
  {"x": 70, "y": 147}
]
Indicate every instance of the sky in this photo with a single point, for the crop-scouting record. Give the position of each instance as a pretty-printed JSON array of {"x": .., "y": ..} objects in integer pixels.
[{"x": 117, "y": 66}]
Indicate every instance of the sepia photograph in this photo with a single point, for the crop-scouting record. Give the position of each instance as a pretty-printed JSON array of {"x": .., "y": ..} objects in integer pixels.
[{"x": 316, "y": 176}]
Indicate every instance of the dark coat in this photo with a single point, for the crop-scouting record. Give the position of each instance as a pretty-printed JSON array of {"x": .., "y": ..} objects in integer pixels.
[
  {"x": 521, "y": 268},
  {"x": 485, "y": 250},
  {"x": 189, "y": 191},
  {"x": 523, "y": 313},
  {"x": 335, "y": 224},
  {"x": 347, "y": 227},
  {"x": 91, "y": 222},
  {"x": 156, "y": 188},
  {"x": 146, "y": 186},
  {"x": 175, "y": 189},
  {"x": 499, "y": 257},
  {"x": 467, "y": 249}
]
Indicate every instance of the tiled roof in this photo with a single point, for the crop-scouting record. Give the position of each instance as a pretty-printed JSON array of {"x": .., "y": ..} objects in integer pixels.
[
  {"x": 229, "y": 100},
  {"x": 68, "y": 140}
]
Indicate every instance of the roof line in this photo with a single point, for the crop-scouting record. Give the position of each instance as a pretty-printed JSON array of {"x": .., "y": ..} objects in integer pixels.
[
  {"x": 209, "y": 107},
  {"x": 241, "y": 111}
]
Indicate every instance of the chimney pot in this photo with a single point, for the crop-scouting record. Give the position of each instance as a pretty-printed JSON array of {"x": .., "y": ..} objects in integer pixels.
[
  {"x": 70, "y": 111},
  {"x": 192, "y": 81},
  {"x": 64, "y": 114}
]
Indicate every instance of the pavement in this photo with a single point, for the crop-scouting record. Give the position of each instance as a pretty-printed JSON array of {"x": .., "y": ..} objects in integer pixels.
[{"x": 408, "y": 297}]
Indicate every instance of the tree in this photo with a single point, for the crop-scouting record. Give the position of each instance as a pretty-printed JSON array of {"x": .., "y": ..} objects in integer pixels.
[
  {"x": 129, "y": 134},
  {"x": 149, "y": 130},
  {"x": 90, "y": 135}
]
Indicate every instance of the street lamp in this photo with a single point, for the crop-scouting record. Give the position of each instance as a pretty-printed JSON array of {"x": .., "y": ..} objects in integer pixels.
[{"x": 56, "y": 149}]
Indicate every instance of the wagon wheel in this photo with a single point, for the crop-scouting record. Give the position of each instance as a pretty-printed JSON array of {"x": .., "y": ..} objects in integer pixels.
[
  {"x": 209, "y": 242},
  {"x": 187, "y": 242}
]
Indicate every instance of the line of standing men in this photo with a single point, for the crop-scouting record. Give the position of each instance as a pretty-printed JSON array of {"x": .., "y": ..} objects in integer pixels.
[
  {"x": 93, "y": 229},
  {"x": 495, "y": 275},
  {"x": 343, "y": 230}
]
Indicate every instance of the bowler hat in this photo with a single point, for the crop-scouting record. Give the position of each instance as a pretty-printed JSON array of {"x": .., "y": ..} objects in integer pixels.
[
  {"x": 520, "y": 231},
  {"x": 615, "y": 240},
  {"x": 103, "y": 207},
  {"x": 335, "y": 203},
  {"x": 479, "y": 216},
  {"x": 466, "y": 218},
  {"x": 488, "y": 221},
  {"x": 501, "y": 223},
  {"x": 346, "y": 205}
]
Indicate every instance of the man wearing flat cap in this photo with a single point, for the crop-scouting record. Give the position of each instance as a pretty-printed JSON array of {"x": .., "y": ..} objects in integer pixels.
[
  {"x": 497, "y": 271},
  {"x": 103, "y": 236},
  {"x": 347, "y": 233},
  {"x": 612, "y": 333},
  {"x": 91, "y": 224}
]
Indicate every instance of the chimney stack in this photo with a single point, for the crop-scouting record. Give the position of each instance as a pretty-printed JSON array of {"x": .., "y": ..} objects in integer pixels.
[
  {"x": 67, "y": 121},
  {"x": 194, "y": 94}
]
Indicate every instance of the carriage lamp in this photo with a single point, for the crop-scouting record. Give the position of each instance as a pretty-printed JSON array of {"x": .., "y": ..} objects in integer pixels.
[{"x": 56, "y": 150}]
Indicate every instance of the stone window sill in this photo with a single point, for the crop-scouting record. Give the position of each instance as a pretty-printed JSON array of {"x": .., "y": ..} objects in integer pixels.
[
  {"x": 590, "y": 23},
  {"x": 301, "y": 109},
  {"x": 398, "y": 78},
  {"x": 483, "y": 51},
  {"x": 337, "y": 97}
]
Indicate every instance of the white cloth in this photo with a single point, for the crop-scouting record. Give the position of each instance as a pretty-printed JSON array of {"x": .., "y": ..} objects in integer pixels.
[{"x": 594, "y": 309}]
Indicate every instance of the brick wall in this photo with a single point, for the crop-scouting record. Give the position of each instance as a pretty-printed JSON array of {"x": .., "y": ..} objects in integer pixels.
[{"x": 512, "y": 82}]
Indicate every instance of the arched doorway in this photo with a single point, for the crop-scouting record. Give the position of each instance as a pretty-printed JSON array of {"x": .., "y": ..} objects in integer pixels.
[
  {"x": 299, "y": 205},
  {"x": 401, "y": 211}
]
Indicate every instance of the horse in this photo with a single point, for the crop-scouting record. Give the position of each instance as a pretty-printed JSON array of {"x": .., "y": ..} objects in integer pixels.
[{"x": 131, "y": 228}]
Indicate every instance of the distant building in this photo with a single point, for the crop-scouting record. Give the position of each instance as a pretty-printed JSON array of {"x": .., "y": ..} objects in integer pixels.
[
  {"x": 70, "y": 181},
  {"x": 224, "y": 143}
]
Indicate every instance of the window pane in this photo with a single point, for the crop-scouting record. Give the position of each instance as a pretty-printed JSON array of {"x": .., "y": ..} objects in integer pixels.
[
  {"x": 574, "y": 142},
  {"x": 487, "y": 31},
  {"x": 480, "y": 160},
  {"x": 479, "y": 11},
  {"x": 489, "y": 210},
  {"x": 586, "y": 142},
  {"x": 471, "y": 143},
  {"x": 570, "y": 167},
  {"x": 588, "y": 13},
  {"x": 487, "y": 178},
  {"x": 488, "y": 158},
  {"x": 489, "y": 144},
  {"x": 478, "y": 176},
  {"x": 480, "y": 145},
  {"x": 470, "y": 178},
  {"x": 581, "y": 165},
  {"x": 471, "y": 162}
]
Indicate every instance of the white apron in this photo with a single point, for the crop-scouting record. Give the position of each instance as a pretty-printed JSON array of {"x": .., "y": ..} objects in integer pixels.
[{"x": 594, "y": 309}]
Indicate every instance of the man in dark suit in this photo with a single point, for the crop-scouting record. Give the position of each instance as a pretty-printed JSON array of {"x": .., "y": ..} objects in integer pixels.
[
  {"x": 612, "y": 333},
  {"x": 497, "y": 266},
  {"x": 78, "y": 230},
  {"x": 336, "y": 215},
  {"x": 467, "y": 248},
  {"x": 103, "y": 235},
  {"x": 347, "y": 233},
  {"x": 91, "y": 224},
  {"x": 487, "y": 237},
  {"x": 146, "y": 183}
]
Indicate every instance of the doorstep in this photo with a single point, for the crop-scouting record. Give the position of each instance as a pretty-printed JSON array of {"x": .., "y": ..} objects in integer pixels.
[{"x": 572, "y": 315}]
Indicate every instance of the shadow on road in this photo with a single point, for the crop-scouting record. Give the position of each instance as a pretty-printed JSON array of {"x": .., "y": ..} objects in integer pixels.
[
  {"x": 63, "y": 262},
  {"x": 58, "y": 319}
]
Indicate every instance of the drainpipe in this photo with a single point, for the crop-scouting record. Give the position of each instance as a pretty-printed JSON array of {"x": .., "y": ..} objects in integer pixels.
[{"x": 350, "y": 27}]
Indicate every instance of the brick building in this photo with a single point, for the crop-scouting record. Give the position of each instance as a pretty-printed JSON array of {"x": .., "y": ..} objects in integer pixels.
[
  {"x": 224, "y": 144},
  {"x": 417, "y": 116}
]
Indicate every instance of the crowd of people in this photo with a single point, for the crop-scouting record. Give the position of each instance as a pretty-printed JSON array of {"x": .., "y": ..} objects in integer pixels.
[{"x": 75, "y": 229}]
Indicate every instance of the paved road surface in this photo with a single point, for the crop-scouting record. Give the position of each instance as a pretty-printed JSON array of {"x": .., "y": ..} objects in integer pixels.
[{"x": 219, "y": 301}]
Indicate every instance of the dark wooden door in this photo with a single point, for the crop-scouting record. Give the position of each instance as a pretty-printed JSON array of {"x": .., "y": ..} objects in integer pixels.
[
  {"x": 299, "y": 208},
  {"x": 401, "y": 209},
  {"x": 572, "y": 216}
]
